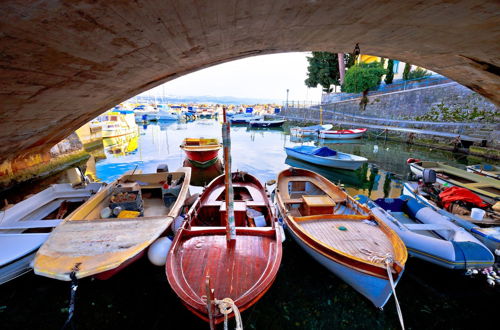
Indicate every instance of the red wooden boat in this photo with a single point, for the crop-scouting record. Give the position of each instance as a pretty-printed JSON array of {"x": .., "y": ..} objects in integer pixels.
[
  {"x": 201, "y": 151},
  {"x": 219, "y": 254}
]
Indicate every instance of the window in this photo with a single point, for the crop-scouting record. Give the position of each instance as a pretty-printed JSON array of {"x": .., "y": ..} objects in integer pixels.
[{"x": 395, "y": 66}]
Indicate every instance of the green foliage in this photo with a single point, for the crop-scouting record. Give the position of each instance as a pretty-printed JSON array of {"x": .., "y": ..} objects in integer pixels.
[
  {"x": 323, "y": 70},
  {"x": 389, "y": 77},
  {"x": 360, "y": 78},
  {"x": 418, "y": 73},
  {"x": 406, "y": 71},
  {"x": 453, "y": 113}
]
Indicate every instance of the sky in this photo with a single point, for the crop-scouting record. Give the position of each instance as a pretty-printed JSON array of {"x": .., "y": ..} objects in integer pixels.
[{"x": 263, "y": 77}]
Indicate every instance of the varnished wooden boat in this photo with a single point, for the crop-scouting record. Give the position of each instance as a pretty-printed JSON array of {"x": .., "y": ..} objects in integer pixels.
[
  {"x": 87, "y": 244},
  {"x": 340, "y": 233},
  {"x": 201, "y": 152},
  {"x": 486, "y": 188},
  {"x": 229, "y": 246},
  {"x": 243, "y": 272}
]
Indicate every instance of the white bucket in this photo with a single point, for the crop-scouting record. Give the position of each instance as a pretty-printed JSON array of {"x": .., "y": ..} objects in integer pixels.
[{"x": 477, "y": 214}]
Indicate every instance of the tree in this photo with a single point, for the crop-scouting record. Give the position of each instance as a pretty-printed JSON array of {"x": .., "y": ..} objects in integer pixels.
[
  {"x": 418, "y": 73},
  {"x": 360, "y": 78},
  {"x": 390, "y": 72},
  {"x": 323, "y": 70},
  {"x": 406, "y": 71}
]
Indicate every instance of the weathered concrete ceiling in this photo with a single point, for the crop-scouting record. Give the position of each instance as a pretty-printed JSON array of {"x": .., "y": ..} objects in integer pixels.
[{"x": 64, "y": 62}]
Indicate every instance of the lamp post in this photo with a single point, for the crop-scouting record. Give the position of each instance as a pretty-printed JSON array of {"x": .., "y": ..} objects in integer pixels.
[{"x": 287, "y": 90}]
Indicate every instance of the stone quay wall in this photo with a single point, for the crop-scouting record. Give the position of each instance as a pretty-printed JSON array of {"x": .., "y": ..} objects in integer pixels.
[{"x": 405, "y": 108}]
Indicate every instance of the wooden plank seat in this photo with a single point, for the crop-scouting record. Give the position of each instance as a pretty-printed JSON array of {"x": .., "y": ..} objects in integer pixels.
[{"x": 293, "y": 201}]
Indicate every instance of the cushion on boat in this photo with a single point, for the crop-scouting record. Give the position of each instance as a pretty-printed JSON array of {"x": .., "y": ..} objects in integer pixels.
[{"x": 324, "y": 152}]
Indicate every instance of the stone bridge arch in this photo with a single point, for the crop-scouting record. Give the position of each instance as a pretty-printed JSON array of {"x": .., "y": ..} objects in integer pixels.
[{"x": 64, "y": 62}]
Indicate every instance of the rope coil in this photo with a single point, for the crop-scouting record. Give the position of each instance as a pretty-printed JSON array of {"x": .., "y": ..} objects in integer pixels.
[{"x": 226, "y": 307}]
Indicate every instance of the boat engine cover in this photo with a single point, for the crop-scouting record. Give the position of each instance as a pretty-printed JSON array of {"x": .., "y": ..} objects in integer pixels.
[{"x": 429, "y": 176}]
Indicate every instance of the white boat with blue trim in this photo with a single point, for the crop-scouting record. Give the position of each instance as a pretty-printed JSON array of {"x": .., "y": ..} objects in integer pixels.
[
  {"x": 326, "y": 157},
  {"x": 429, "y": 235}
]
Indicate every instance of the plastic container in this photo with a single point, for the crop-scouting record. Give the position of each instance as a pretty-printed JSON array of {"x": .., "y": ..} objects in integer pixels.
[{"x": 477, "y": 214}]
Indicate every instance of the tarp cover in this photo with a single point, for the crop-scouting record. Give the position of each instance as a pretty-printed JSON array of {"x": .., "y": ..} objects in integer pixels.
[
  {"x": 453, "y": 194},
  {"x": 324, "y": 152}
]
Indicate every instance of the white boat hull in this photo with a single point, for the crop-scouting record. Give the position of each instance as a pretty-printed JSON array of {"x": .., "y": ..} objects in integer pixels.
[
  {"x": 375, "y": 289},
  {"x": 19, "y": 248},
  {"x": 326, "y": 135},
  {"x": 346, "y": 164}
]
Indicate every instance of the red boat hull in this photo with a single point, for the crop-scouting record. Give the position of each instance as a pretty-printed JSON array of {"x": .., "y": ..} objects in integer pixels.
[{"x": 201, "y": 155}]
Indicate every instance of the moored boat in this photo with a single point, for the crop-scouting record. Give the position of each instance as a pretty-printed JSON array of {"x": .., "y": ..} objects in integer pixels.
[
  {"x": 341, "y": 234},
  {"x": 326, "y": 157},
  {"x": 429, "y": 235},
  {"x": 200, "y": 151},
  {"x": 309, "y": 130},
  {"x": 486, "y": 188},
  {"x": 228, "y": 250},
  {"x": 266, "y": 123},
  {"x": 491, "y": 171},
  {"x": 243, "y": 118},
  {"x": 343, "y": 134},
  {"x": 27, "y": 225},
  {"x": 486, "y": 230},
  {"x": 114, "y": 228},
  {"x": 117, "y": 123}
]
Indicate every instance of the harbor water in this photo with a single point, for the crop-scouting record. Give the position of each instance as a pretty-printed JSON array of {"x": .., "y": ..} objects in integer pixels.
[{"x": 304, "y": 296}]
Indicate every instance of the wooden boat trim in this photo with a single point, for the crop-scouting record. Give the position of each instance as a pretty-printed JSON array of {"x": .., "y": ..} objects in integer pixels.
[{"x": 376, "y": 269}]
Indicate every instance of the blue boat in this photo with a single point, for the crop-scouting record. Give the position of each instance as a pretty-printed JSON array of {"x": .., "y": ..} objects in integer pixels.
[
  {"x": 428, "y": 235},
  {"x": 326, "y": 157}
]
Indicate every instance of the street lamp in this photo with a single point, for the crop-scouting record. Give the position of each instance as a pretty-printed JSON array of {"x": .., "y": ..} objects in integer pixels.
[{"x": 287, "y": 90}]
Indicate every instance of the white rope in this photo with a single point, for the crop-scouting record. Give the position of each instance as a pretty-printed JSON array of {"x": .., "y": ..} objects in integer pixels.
[
  {"x": 388, "y": 262},
  {"x": 387, "y": 259},
  {"x": 226, "y": 307}
]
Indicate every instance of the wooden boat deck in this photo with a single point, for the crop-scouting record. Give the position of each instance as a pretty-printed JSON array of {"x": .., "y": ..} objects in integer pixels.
[
  {"x": 360, "y": 240},
  {"x": 243, "y": 266}
]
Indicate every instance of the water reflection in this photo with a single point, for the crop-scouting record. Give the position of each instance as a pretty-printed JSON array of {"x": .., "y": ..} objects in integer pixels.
[
  {"x": 201, "y": 177},
  {"x": 121, "y": 145},
  {"x": 260, "y": 152}
]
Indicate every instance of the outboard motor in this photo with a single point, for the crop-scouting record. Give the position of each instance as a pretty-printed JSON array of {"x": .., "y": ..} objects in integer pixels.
[{"x": 428, "y": 176}]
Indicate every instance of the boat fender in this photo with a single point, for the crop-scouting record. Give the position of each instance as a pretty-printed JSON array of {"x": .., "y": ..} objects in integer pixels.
[
  {"x": 177, "y": 223},
  {"x": 157, "y": 253}
]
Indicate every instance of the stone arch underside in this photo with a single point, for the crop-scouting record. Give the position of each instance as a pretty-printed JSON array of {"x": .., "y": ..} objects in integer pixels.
[{"x": 64, "y": 62}]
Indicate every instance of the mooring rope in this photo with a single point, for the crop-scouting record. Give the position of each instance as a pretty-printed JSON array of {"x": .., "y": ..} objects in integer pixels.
[
  {"x": 71, "y": 310},
  {"x": 226, "y": 307},
  {"x": 388, "y": 262}
]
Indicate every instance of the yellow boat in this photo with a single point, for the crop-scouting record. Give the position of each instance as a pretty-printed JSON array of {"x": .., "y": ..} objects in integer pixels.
[{"x": 88, "y": 244}]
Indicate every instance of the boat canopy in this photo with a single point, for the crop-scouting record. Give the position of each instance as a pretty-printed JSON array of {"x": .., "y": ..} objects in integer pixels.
[{"x": 323, "y": 152}]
